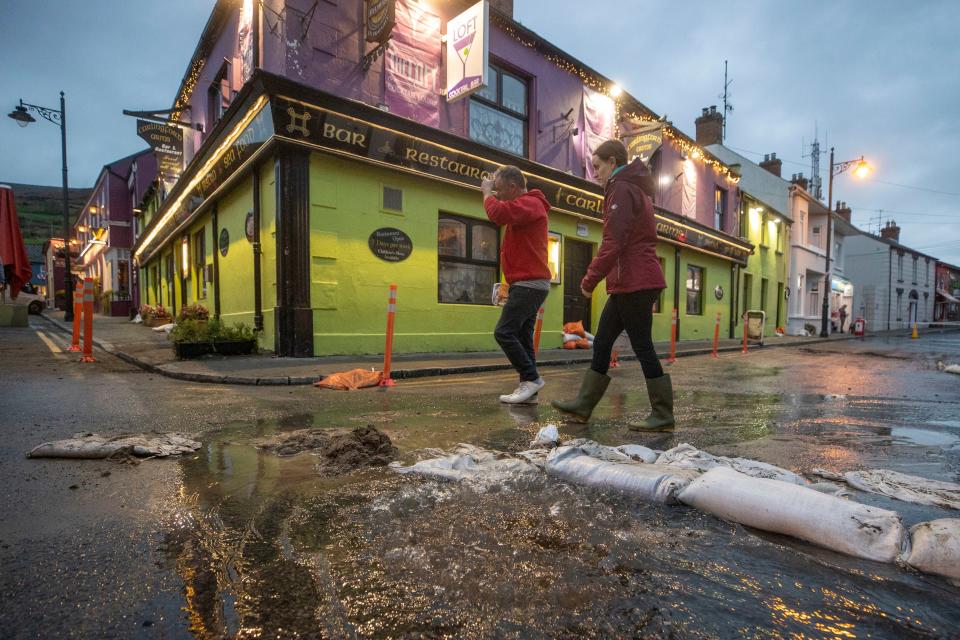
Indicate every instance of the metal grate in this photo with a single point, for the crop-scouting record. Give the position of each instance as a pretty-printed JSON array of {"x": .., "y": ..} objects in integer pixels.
[{"x": 392, "y": 198}]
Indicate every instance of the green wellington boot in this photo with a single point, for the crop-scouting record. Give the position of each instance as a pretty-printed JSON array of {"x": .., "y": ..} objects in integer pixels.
[
  {"x": 660, "y": 391},
  {"x": 592, "y": 388}
]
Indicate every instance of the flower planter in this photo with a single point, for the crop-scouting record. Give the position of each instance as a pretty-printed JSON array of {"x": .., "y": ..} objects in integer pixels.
[
  {"x": 235, "y": 347},
  {"x": 156, "y": 322},
  {"x": 187, "y": 350}
]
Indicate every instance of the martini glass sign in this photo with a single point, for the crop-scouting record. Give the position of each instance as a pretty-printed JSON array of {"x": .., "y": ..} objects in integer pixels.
[{"x": 465, "y": 41}]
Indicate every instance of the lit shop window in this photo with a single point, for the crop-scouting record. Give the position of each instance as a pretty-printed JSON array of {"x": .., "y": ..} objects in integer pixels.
[
  {"x": 498, "y": 112},
  {"x": 694, "y": 290},
  {"x": 554, "y": 241},
  {"x": 468, "y": 252}
]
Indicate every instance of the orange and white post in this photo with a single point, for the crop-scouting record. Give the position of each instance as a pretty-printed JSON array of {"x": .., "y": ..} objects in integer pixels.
[
  {"x": 87, "y": 321},
  {"x": 716, "y": 336},
  {"x": 77, "y": 316},
  {"x": 673, "y": 337},
  {"x": 536, "y": 331},
  {"x": 386, "y": 380},
  {"x": 744, "y": 333}
]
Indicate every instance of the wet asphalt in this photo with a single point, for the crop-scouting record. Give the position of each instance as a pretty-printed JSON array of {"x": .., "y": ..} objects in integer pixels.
[{"x": 232, "y": 542}]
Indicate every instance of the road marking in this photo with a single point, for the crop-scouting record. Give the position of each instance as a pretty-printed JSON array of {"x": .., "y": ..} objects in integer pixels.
[{"x": 50, "y": 344}]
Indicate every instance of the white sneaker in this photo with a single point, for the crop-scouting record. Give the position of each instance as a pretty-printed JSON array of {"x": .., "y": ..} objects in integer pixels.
[{"x": 526, "y": 393}]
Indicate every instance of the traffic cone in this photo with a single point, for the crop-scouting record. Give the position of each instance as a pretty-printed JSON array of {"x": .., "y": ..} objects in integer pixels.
[{"x": 914, "y": 335}]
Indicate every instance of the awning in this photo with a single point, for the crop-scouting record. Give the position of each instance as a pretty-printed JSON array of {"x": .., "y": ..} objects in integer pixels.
[{"x": 946, "y": 296}]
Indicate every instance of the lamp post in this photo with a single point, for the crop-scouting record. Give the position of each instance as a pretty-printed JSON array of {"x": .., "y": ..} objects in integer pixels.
[
  {"x": 58, "y": 117},
  {"x": 861, "y": 171}
]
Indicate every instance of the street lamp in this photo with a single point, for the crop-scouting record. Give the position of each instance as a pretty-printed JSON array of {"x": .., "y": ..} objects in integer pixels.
[
  {"x": 861, "y": 169},
  {"x": 21, "y": 114}
]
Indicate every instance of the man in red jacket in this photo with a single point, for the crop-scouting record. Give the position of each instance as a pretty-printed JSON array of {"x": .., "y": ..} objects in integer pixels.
[{"x": 523, "y": 258}]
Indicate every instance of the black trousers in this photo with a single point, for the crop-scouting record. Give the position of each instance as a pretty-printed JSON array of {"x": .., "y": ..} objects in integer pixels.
[
  {"x": 634, "y": 312},
  {"x": 514, "y": 332}
]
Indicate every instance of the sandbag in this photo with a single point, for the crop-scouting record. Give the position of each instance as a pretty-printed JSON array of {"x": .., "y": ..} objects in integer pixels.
[
  {"x": 92, "y": 446},
  {"x": 644, "y": 481},
  {"x": 906, "y": 487},
  {"x": 686, "y": 456},
  {"x": 935, "y": 547},
  {"x": 789, "y": 509},
  {"x": 350, "y": 380},
  {"x": 622, "y": 453},
  {"x": 468, "y": 462}
]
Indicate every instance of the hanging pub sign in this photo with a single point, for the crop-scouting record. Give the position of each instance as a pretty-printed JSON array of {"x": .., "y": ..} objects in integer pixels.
[
  {"x": 467, "y": 51},
  {"x": 167, "y": 143},
  {"x": 381, "y": 18},
  {"x": 249, "y": 227},
  {"x": 644, "y": 142},
  {"x": 392, "y": 245}
]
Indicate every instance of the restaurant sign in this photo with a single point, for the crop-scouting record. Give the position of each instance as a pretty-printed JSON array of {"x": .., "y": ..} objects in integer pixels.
[
  {"x": 381, "y": 18},
  {"x": 685, "y": 235},
  {"x": 167, "y": 143},
  {"x": 467, "y": 51},
  {"x": 367, "y": 141}
]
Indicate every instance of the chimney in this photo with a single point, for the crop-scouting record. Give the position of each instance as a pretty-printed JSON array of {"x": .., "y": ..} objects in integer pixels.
[
  {"x": 890, "y": 231},
  {"x": 772, "y": 164},
  {"x": 503, "y": 6},
  {"x": 710, "y": 126},
  {"x": 844, "y": 212},
  {"x": 800, "y": 181}
]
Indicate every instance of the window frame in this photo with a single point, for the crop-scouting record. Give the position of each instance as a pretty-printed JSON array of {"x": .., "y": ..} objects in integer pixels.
[
  {"x": 699, "y": 292},
  {"x": 468, "y": 250},
  {"x": 498, "y": 105},
  {"x": 719, "y": 215},
  {"x": 199, "y": 257}
]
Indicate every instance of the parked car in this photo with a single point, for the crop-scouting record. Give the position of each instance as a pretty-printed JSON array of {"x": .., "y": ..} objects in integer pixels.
[{"x": 30, "y": 297}]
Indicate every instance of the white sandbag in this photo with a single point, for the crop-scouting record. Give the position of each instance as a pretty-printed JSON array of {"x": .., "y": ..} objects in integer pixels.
[
  {"x": 644, "y": 481},
  {"x": 948, "y": 368},
  {"x": 546, "y": 437},
  {"x": 906, "y": 487},
  {"x": 622, "y": 453},
  {"x": 92, "y": 446},
  {"x": 686, "y": 456},
  {"x": 781, "y": 507},
  {"x": 935, "y": 547},
  {"x": 471, "y": 463}
]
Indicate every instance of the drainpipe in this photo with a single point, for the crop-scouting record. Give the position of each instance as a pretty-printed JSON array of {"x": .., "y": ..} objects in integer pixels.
[
  {"x": 734, "y": 272},
  {"x": 216, "y": 262},
  {"x": 676, "y": 286},
  {"x": 257, "y": 289}
]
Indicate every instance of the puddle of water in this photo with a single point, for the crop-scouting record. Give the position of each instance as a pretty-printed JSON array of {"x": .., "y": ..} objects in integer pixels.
[{"x": 926, "y": 437}]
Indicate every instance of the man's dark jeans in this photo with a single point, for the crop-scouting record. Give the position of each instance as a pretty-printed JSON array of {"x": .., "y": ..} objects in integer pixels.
[{"x": 514, "y": 332}]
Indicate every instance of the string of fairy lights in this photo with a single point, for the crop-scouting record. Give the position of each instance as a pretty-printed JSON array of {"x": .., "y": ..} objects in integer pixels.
[
  {"x": 603, "y": 86},
  {"x": 189, "y": 83}
]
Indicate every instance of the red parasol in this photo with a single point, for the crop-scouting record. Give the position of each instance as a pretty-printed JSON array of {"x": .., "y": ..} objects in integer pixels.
[{"x": 13, "y": 253}]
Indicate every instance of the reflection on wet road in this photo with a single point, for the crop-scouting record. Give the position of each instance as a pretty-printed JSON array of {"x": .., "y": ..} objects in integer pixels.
[{"x": 265, "y": 548}]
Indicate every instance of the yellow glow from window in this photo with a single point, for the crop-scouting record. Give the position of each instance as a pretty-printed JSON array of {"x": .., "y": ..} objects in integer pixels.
[
  {"x": 185, "y": 257},
  {"x": 553, "y": 256}
]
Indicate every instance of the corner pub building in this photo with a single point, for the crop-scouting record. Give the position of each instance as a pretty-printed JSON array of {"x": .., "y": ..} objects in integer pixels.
[{"x": 301, "y": 201}]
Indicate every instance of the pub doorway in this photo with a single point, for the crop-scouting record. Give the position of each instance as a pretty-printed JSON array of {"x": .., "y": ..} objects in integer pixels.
[{"x": 576, "y": 259}]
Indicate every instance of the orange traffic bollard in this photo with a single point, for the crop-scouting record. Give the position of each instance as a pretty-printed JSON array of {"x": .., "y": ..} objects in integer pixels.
[
  {"x": 536, "y": 331},
  {"x": 716, "y": 336},
  {"x": 673, "y": 337},
  {"x": 386, "y": 380},
  {"x": 914, "y": 335},
  {"x": 744, "y": 333},
  {"x": 77, "y": 316},
  {"x": 88, "y": 321}
]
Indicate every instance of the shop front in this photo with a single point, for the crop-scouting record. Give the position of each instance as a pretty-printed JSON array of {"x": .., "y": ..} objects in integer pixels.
[{"x": 304, "y": 207}]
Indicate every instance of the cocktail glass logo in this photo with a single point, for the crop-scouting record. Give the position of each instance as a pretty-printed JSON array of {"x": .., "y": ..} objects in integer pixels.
[{"x": 463, "y": 36}]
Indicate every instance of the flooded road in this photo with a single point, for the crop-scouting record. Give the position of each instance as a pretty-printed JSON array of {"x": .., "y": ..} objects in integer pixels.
[{"x": 237, "y": 542}]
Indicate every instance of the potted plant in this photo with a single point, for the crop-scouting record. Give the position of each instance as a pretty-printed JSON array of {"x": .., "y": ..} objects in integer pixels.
[
  {"x": 235, "y": 340},
  {"x": 154, "y": 316},
  {"x": 195, "y": 311},
  {"x": 190, "y": 339}
]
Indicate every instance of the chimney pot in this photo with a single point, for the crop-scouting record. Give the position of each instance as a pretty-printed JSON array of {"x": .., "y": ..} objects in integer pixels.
[
  {"x": 713, "y": 108},
  {"x": 704, "y": 111},
  {"x": 709, "y": 127}
]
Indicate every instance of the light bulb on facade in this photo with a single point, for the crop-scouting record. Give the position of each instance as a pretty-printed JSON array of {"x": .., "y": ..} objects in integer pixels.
[{"x": 615, "y": 91}]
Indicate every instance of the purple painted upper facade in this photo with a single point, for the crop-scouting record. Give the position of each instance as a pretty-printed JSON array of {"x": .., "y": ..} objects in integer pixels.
[{"x": 322, "y": 44}]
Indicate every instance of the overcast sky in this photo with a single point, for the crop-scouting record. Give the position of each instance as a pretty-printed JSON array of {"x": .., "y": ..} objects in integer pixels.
[{"x": 878, "y": 78}]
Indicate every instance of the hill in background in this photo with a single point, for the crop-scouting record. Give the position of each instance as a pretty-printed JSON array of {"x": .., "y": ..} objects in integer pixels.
[{"x": 40, "y": 209}]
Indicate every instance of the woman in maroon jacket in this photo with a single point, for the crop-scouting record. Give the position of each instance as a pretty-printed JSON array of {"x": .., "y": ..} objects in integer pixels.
[{"x": 628, "y": 260}]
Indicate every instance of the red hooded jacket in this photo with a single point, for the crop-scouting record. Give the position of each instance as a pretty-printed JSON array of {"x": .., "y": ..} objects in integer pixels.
[
  {"x": 628, "y": 251},
  {"x": 523, "y": 253}
]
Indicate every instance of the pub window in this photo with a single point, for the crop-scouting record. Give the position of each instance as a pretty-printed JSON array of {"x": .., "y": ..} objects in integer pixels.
[
  {"x": 744, "y": 221},
  {"x": 719, "y": 208},
  {"x": 694, "y": 290},
  {"x": 123, "y": 278},
  {"x": 498, "y": 112},
  {"x": 915, "y": 261},
  {"x": 199, "y": 262},
  {"x": 900, "y": 267},
  {"x": 155, "y": 283},
  {"x": 468, "y": 256},
  {"x": 764, "y": 231},
  {"x": 218, "y": 97},
  {"x": 658, "y": 303}
]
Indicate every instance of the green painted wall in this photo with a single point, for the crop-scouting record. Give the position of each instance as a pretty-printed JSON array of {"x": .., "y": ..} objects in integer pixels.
[
  {"x": 236, "y": 268},
  {"x": 768, "y": 261}
]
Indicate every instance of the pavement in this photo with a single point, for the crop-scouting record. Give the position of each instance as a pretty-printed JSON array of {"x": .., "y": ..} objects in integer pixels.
[{"x": 152, "y": 351}]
